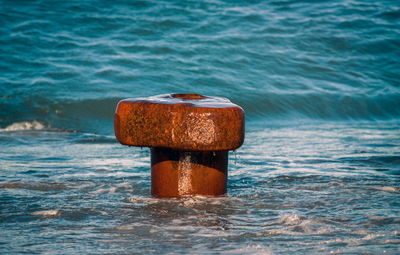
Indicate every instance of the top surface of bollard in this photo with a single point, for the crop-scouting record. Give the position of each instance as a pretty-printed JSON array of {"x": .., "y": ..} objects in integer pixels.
[{"x": 180, "y": 121}]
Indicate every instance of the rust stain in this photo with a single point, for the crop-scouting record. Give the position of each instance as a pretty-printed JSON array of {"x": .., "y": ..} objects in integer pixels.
[
  {"x": 172, "y": 121},
  {"x": 185, "y": 131}
]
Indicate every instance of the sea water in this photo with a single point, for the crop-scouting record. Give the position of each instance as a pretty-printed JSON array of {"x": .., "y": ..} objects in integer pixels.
[{"x": 319, "y": 170}]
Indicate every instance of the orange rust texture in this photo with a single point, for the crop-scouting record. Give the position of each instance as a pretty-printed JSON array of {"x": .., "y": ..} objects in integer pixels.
[
  {"x": 179, "y": 173},
  {"x": 180, "y": 121}
]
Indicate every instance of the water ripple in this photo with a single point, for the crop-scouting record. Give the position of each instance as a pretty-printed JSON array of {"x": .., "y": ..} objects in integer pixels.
[{"x": 318, "y": 173}]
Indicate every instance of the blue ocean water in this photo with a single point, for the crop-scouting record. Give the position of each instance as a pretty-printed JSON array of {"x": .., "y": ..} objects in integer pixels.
[{"x": 318, "y": 80}]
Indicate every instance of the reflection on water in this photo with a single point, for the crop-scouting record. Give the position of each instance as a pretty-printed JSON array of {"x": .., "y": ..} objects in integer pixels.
[
  {"x": 318, "y": 80},
  {"x": 292, "y": 189}
]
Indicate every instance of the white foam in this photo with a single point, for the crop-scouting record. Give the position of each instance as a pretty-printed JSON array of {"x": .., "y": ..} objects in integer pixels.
[
  {"x": 251, "y": 249},
  {"x": 142, "y": 200},
  {"x": 372, "y": 236},
  {"x": 125, "y": 185},
  {"x": 294, "y": 224},
  {"x": 109, "y": 190},
  {"x": 388, "y": 189},
  {"x": 126, "y": 227},
  {"x": 47, "y": 213},
  {"x": 290, "y": 219},
  {"x": 24, "y": 125}
]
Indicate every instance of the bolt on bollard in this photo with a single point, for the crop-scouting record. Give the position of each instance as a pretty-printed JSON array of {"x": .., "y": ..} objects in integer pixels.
[{"x": 189, "y": 136}]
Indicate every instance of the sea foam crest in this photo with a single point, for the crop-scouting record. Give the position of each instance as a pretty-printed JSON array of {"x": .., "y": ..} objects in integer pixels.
[
  {"x": 47, "y": 213},
  {"x": 24, "y": 125}
]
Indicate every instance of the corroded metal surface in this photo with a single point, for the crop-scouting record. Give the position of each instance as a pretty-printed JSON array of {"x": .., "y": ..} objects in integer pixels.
[
  {"x": 189, "y": 136},
  {"x": 178, "y": 173},
  {"x": 180, "y": 121}
]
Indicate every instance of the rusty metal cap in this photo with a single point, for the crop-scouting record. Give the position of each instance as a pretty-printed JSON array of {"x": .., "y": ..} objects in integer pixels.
[{"x": 181, "y": 122}]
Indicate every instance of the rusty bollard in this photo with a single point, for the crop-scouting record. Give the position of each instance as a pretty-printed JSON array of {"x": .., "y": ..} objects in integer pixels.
[{"x": 189, "y": 136}]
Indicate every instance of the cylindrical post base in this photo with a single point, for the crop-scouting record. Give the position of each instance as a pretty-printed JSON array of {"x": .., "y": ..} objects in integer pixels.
[{"x": 177, "y": 173}]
